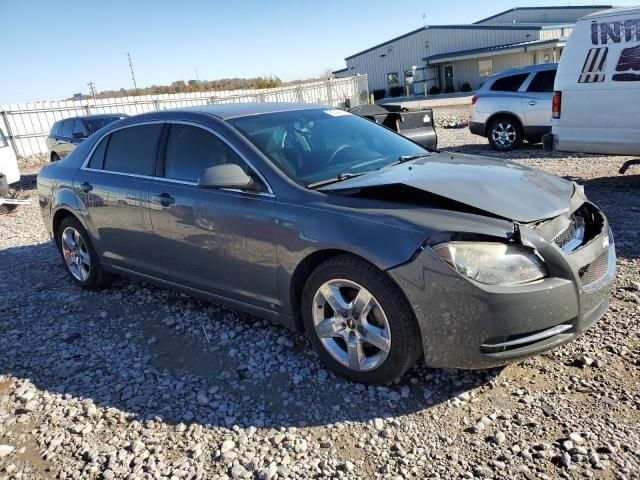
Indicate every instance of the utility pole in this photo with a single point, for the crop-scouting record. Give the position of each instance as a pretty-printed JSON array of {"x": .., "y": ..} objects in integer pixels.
[
  {"x": 133, "y": 77},
  {"x": 424, "y": 19},
  {"x": 92, "y": 89}
]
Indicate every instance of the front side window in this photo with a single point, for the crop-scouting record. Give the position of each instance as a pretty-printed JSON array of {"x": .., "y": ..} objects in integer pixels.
[
  {"x": 67, "y": 128},
  {"x": 485, "y": 68},
  {"x": 319, "y": 144},
  {"x": 190, "y": 150},
  {"x": 3, "y": 140},
  {"x": 133, "y": 149},
  {"x": 509, "y": 84},
  {"x": 542, "y": 82},
  {"x": 95, "y": 124},
  {"x": 79, "y": 130}
]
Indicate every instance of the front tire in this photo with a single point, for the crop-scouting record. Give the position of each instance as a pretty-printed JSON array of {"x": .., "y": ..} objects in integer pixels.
[
  {"x": 79, "y": 257},
  {"x": 505, "y": 134},
  {"x": 359, "y": 321}
]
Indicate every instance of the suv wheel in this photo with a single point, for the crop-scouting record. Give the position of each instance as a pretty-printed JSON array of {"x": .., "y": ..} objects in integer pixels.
[
  {"x": 504, "y": 134},
  {"x": 359, "y": 321}
]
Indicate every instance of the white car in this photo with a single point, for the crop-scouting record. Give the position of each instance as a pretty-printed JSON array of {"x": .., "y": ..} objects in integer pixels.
[
  {"x": 514, "y": 105},
  {"x": 596, "y": 103},
  {"x": 9, "y": 172}
]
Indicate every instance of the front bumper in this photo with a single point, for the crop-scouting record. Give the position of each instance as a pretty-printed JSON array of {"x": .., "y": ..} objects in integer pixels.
[{"x": 465, "y": 324}]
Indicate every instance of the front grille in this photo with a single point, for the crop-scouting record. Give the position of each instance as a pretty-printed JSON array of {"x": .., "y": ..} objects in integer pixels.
[
  {"x": 567, "y": 234},
  {"x": 595, "y": 270}
]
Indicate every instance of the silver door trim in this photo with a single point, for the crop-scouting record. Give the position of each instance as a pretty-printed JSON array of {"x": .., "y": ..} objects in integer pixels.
[{"x": 269, "y": 193}]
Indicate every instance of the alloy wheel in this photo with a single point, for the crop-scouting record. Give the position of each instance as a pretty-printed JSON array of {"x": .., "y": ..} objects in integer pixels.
[
  {"x": 351, "y": 324},
  {"x": 504, "y": 134},
  {"x": 76, "y": 254}
]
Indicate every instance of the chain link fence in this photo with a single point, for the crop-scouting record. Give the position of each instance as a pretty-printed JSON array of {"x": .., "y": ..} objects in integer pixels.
[{"x": 27, "y": 125}]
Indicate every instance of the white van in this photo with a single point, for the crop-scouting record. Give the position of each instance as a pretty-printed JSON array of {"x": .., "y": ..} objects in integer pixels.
[
  {"x": 8, "y": 163},
  {"x": 596, "y": 102}
]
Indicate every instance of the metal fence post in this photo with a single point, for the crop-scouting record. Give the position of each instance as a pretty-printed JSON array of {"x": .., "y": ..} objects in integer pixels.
[
  {"x": 87, "y": 109},
  {"x": 14, "y": 145}
]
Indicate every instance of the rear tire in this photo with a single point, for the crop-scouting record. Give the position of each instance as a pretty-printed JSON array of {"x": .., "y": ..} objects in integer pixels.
[
  {"x": 359, "y": 321},
  {"x": 79, "y": 258},
  {"x": 504, "y": 134},
  {"x": 55, "y": 157}
]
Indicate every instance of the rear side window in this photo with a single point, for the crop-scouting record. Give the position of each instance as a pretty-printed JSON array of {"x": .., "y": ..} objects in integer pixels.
[
  {"x": 133, "y": 150},
  {"x": 67, "y": 128},
  {"x": 190, "y": 150},
  {"x": 509, "y": 84},
  {"x": 97, "y": 158},
  {"x": 542, "y": 82}
]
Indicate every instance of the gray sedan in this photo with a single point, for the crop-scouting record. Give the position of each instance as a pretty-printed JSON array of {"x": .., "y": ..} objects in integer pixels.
[{"x": 380, "y": 250}]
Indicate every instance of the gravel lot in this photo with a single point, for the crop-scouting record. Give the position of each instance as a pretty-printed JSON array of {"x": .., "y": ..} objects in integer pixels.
[{"x": 141, "y": 382}]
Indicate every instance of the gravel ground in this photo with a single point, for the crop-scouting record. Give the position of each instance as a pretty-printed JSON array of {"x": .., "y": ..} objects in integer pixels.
[{"x": 141, "y": 382}]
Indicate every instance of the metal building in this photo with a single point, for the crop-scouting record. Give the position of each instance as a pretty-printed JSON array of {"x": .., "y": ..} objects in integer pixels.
[{"x": 460, "y": 57}]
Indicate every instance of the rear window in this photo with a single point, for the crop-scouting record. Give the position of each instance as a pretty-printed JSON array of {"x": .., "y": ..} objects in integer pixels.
[
  {"x": 509, "y": 84},
  {"x": 542, "y": 82},
  {"x": 97, "y": 158},
  {"x": 133, "y": 150},
  {"x": 95, "y": 124}
]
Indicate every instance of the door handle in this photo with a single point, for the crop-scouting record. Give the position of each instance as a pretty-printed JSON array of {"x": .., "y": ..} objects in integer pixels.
[
  {"x": 86, "y": 187},
  {"x": 533, "y": 102},
  {"x": 164, "y": 199}
]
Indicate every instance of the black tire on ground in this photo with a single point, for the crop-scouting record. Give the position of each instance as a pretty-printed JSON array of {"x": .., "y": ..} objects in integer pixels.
[
  {"x": 98, "y": 278},
  {"x": 55, "y": 157},
  {"x": 505, "y": 124},
  {"x": 406, "y": 341}
]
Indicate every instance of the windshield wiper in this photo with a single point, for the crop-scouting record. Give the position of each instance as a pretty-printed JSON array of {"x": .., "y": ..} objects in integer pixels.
[
  {"x": 407, "y": 158},
  {"x": 339, "y": 178}
]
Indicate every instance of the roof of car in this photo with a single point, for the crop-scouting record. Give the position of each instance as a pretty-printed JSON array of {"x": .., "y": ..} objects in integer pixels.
[
  {"x": 526, "y": 69},
  {"x": 96, "y": 115},
  {"x": 233, "y": 110}
]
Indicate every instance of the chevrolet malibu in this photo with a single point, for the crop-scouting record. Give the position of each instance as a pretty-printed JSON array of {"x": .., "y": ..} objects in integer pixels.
[{"x": 381, "y": 251}]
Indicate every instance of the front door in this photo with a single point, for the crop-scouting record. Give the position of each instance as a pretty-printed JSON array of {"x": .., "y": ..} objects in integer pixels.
[
  {"x": 215, "y": 240},
  {"x": 448, "y": 78},
  {"x": 114, "y": 187}
]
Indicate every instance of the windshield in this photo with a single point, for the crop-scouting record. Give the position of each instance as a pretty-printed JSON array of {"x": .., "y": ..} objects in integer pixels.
[
  {"x": 320, "y": 144},
  {"x": 95, "y": 124}
]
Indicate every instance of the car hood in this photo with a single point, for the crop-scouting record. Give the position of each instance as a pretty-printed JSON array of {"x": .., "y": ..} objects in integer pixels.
[{"x": 499, "y": 187}]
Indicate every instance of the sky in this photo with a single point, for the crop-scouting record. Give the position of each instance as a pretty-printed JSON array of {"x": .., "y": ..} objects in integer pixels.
[{"x": 51, "y": 50}]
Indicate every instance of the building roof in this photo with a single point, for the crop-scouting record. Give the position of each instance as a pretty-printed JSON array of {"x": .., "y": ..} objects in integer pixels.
[
  {"x": 342, "y": 70},
  {"x": 565, "y": 7},
  {"x": 450, "y": 27},
  {"x": 495, "y": 50}
]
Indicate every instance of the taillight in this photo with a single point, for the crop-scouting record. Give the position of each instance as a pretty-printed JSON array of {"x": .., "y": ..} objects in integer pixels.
[
  {"x": 556, "y": 104},
  {"x": 474, "y": 99}
]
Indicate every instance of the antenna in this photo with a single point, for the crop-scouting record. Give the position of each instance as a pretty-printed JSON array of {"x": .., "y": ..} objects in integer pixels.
[{"x": 133, "y": 77}]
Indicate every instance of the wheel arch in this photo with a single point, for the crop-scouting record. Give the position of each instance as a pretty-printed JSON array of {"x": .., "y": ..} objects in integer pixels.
[
  {"x": 304, "y": 269},
  {"x": 57, "y": 219},
  {"x": 502, "y": 114}
]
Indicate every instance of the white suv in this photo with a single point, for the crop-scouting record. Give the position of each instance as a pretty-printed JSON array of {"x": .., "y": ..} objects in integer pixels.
[{"x": 514, "y": 105}]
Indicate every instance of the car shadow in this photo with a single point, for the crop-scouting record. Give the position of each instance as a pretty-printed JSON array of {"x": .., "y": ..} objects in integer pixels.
[{"x": 155, "y": 354}]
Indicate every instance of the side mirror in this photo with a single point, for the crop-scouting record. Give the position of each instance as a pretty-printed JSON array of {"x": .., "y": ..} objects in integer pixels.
[
  {"x": 79, "y": 135},
  {"x": 228, "y": 175}
]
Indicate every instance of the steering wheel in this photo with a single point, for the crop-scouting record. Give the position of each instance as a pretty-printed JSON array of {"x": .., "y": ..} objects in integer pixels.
[{"x": 333, "y": 156}]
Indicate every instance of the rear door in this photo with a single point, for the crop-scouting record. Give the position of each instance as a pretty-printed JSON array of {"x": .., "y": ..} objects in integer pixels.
[
  {"x": 114, "y": 187},
  {"x": 536, "y": 99},
  {"x": 221, "y": 241},
  {"x": 64, "y": 143}
]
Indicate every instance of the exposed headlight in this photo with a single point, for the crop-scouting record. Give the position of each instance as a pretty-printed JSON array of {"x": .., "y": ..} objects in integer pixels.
[{"x": 493, "y": 263}]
